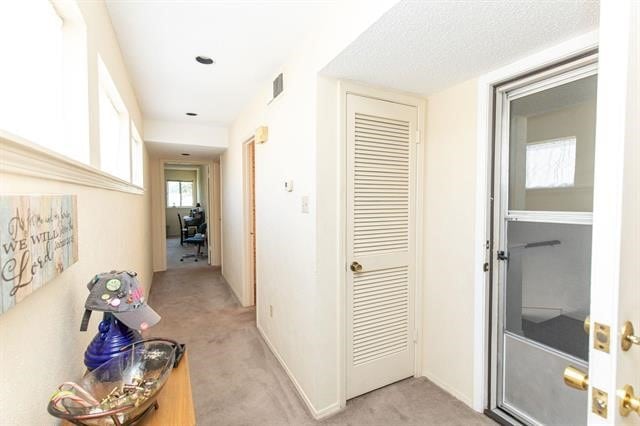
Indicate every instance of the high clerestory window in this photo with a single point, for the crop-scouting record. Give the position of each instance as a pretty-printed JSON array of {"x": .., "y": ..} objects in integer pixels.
[
  {"x": 31, "y": 74},
  {"x": 45, "y": 90}
]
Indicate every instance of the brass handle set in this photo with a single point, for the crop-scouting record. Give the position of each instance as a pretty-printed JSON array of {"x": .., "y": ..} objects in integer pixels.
[{"x": 578, "y": 379}]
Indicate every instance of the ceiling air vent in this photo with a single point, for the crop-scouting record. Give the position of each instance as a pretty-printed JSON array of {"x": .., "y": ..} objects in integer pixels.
[{"x": 278, "y": 86}]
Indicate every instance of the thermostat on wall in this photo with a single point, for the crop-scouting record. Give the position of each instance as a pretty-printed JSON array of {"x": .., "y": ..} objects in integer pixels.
[{"x": 288, "y": 185}]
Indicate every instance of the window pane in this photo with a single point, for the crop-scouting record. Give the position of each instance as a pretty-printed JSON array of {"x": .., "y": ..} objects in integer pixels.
[
  {"x": 551, "y": 164},
  {"x": 114, "y": 153},
  {"x": 31, "y": 72},
  {"x": 115, "y": 138},
  {"x": 187, "y": 194},
  {"x": 549, "y": 284},
  {"x": 173, "y": 194},
  {"x": 551, "y": 148},
  {"x": 137, "y": 160}
]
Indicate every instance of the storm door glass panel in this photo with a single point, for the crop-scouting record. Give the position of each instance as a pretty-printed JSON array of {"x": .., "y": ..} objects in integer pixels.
[
  {"x": 551, "y": 148},
  {"x": 548, "y": 284}
]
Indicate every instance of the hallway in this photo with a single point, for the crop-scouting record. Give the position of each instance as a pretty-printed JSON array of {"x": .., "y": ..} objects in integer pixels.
[
  {"x": 236, "y": 379},
  {"x": 175, "y": 251}
]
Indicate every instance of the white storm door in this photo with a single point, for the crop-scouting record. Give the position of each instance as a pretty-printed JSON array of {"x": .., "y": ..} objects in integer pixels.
[
  {"x": 381, "y": 173},
  {"x": 615, "y": 288}
]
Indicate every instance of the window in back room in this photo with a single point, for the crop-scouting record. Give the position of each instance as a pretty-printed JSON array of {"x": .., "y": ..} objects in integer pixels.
[
  {"x": 551, "y": 163},
  {"x": 180, "y": 193}
]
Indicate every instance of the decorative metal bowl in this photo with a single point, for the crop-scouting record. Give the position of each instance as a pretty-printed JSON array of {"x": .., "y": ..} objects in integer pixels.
[{"x": 120, "y": 391}]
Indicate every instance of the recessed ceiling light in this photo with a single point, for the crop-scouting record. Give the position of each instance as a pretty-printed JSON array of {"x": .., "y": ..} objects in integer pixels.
[
  {"x": 205, "y": 60},
  {"x": 185, "y": 154},
  {"x": 191, "y": 114}
]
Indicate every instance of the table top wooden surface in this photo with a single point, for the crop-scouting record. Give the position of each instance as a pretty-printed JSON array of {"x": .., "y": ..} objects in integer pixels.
[{"x": 175, "y": 401}]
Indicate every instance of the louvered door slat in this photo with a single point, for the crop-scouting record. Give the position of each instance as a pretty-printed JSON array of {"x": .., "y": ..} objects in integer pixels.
[{"x": 381, "y": 175}]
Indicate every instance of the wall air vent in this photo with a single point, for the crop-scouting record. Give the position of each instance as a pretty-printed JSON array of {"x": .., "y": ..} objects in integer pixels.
[{"x": 278, "y": 86}]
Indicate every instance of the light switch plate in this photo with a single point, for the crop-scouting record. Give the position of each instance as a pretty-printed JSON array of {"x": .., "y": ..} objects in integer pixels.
[{"x": 305, "y": 204}]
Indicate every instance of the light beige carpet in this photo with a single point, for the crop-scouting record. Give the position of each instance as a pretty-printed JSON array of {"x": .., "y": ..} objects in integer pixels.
[
  {"x": 175, "y": 251},
  {"x": 236, "y": 379}
]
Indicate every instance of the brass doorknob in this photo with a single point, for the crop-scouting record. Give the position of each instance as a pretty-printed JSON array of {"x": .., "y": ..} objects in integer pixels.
[
  {"x": 628, "y": 401},
  {"x": 356, "y": 267},
  {"x": 627, "y": 337},
  {"x": 575, "y": 378}
]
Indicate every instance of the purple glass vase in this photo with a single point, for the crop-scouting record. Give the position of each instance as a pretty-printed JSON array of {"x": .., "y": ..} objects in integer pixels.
[{"x": 112, "y": 336}]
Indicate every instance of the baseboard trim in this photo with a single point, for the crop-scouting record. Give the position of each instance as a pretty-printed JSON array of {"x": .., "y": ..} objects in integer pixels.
[
  {"x": 449, "y": 389},
  {"x": 315, "y": 413}
]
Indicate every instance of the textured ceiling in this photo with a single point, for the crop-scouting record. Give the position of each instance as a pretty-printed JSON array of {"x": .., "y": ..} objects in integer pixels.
[
  {"x": 249, "y": 40},
  {"x": 425, "y": 46}
]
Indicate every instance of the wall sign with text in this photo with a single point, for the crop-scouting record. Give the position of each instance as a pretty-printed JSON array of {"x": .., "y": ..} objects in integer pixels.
[{"x": 38, "y": 241}]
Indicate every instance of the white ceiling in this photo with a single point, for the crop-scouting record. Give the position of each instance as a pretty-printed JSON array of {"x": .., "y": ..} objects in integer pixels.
[
  {"x": 174, "y": 151},
  {"x": 425, "y": 46},
  {"x": 249, "y": 40}
]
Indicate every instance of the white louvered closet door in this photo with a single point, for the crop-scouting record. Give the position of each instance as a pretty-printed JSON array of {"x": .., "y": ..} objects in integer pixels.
[{"x": 380, "y": 240}]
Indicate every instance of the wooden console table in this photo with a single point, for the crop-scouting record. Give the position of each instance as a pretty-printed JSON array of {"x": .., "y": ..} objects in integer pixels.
[{"x": 175, "y": 402}]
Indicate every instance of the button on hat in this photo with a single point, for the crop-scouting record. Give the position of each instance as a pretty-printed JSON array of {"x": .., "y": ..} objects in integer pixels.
[{"x": 121, "y": 294}]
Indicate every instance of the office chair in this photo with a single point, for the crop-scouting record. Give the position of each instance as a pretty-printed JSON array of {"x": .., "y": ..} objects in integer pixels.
[
  {"x": 183, "y": 230},
  {"x": 198, "y": 240}
]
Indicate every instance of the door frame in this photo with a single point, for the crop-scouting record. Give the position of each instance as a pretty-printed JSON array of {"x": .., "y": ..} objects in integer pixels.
[
  {"x": 345, "y": 88},
  {"x": 162, "y": 224},
  {"x": 571, "y": 70},
  {"x": 570, "y": 49},
  {"x": 248, "y": 288}
]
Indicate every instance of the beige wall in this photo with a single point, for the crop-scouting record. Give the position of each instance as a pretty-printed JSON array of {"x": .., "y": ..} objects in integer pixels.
[
  {"x": 303, "y": 330},
  {"x": 449, "y": 200},
  {"x": 40, "y": 342}
]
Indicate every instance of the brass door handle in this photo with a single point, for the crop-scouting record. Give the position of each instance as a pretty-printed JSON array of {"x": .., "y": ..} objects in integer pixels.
[
  {"x": 356, "y": 267},
  {"x": 628, "y": 401},
  {"x": 575, "y": 378},
  {"x": 627, "y": 337}
]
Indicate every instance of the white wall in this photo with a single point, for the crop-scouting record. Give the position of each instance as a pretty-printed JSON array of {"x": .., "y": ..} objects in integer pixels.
[
  {"x": 304, "y": 329},
  {"x": 41, "y": 345},
  {"x": 186, "y": 133},
  {"x": 449, "y": 200}
]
